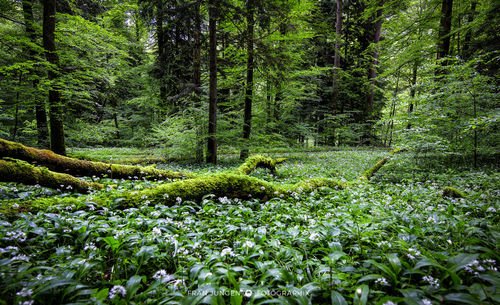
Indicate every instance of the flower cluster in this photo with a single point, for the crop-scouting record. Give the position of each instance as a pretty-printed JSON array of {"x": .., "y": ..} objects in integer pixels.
[
  {"x": 432, "y": 281},
  {"x": 117, "y": 290}
]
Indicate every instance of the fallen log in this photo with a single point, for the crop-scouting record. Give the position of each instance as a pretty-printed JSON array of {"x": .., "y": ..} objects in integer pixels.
[
  {"x": 258, "y": 161},
  {"x": 236, "y": 184},
  {"x": 370, "y": 172},
  {"x": 23, "y": 172},
  {"x": 78, "y": 167}
]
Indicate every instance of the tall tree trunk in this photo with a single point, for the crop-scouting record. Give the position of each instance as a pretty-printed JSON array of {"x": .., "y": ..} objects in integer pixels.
[
  {"x": 468, "y": 36},
  {"x": 57, "y": 143},
  {"x": 212, "y": 97},
  {"x": 336, "y": 59},
  {"x": 40, "y": 114},
  {"x": 412, "y": 90},
  {"x": 373, "y": 68},
  {"x": 197, "y": 75},
  {"x": 161, "y": 48},
  {"x": 393, "y": 110},
  {"x": 443, "y": 43},
  {"x": 247, "y": 116},
  {"x": 336, "y": 65}
]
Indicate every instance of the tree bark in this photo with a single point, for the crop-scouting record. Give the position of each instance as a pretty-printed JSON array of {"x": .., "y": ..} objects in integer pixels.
[
  {"x": 443, "y": 43},
  {"x": 412, "y": 90},
  {"x": 336, "y": 59},
  {"x": 57, "y": 142},
  {"x": 78, "y": 167},
  {"x": 247, "y": 115},
  {"x": 40, "y": 114},
  {"x": 373, "y": 68},
  {"x": 161, "y": 48},
  {"x": 197, "y": 76},
  {"x": 468, "y": 35},
  {"x": 212, "y": 98}
]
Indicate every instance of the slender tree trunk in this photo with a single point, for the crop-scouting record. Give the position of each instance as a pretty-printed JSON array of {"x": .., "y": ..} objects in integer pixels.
[
  {"x": 393, "y": 110},
  {"x": 412, "y": 90},
  {"x": 373, "y": 68},
  {"x": 212, "y": 98},
  {"x": 247, "y": 116},
  {"x": 336, "y": 60},
  {"x": 57, "y": 142},
  {"x": 115, "y": 118},
  {"x": 443, "y": 44},
  {"x": 336, "y": 65},
  {"x": 161, "y": 48},
  {"x": 40, "y": 114},
  {"x": 468, "y": 35},
  {"x": 197, "y": 75}
]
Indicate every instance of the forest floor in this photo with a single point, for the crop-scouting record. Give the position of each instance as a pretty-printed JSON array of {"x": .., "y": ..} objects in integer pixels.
[{"x": 393, "y": 239}]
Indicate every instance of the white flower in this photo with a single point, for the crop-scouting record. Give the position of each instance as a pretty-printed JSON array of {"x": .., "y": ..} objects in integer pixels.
[
  {"x": 412, "y": 253},
  {"x": 165, "y": 196},
  {"x": 227, "y": 251},
  {"x": 19, "y": 236},
  {"x": 314, "y": 236},
  {"x": 432, "y": 281},
  {"x": 156, "y": 231},
  {"x": 178, "y": 199},
  {"x": 262, "y": 188},
  {"x": 30, "y": 302},
  {"x": 390, "y": 303},
  {"x": 21, "y": 257},
  {"x": 248, "y": 244},
  {"x": 426, "y": 302},
  {"x": 25, "y": 292},
  {"x": 90, "y": 246},
  {"x": 161, "y": 275},
  {"x": 382, "y": 281},
  {"x": 117, "y": 289}
]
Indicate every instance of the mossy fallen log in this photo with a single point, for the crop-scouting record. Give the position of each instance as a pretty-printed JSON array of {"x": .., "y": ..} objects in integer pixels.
[
  {"x": 78, "y": 167},
  {"x": 452, "y": 192},
  {"x": 230, "y": 185},
  {"x": 258, "y": 161},
  {"x": 368, "y": 174},
  {"x": 234, "y": 184},
  {"x": 12, "y": 170}
]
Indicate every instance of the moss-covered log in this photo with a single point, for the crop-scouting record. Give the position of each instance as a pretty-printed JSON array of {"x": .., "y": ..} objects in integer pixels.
[
  {"x": 452, "y": 192},
  {"x": 258, "y": 161},
  {"x": 78, "y": 167},
  {"x": 231, "y": 184},
  {"x": 370, "y": 172},
  {"x": 12, "y": 170}
]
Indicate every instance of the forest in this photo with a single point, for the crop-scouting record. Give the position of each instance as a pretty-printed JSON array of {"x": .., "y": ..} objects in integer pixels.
[{"x": 249, "y": 152}]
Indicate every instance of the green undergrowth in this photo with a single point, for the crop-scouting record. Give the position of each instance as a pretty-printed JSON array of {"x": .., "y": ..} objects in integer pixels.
[{"x": 392, "y": 239}]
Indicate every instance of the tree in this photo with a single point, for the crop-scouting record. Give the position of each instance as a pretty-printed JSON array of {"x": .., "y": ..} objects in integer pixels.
[
  {"x": 247, "y": 116},
  {"x": 57, "y": 141},
  {"x": 41, "y": 116},
  {"x": 212, "y": 108},
  {"x": 443, "y": 40}
]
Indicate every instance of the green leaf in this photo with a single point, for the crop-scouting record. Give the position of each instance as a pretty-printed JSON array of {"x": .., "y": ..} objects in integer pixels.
[
  {"x": 112, "y": 242},
  {"x": 462, "y": 298},
  {"x": 133, "y": 284},
  {"x": 337, "y": 298},
  {"x": 361, "y": 295}
]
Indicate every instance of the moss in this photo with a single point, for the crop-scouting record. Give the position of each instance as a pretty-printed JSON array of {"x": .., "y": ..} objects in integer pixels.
[
  {"x": 78, "y": 167},
  {"x": 452, "y": 192},
  {"x": 13, "y": 170},
  {"x": 256, "y": 161}
]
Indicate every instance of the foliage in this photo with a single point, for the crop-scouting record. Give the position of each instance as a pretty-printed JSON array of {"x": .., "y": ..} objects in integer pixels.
[{"x": 396, "y": 239}]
